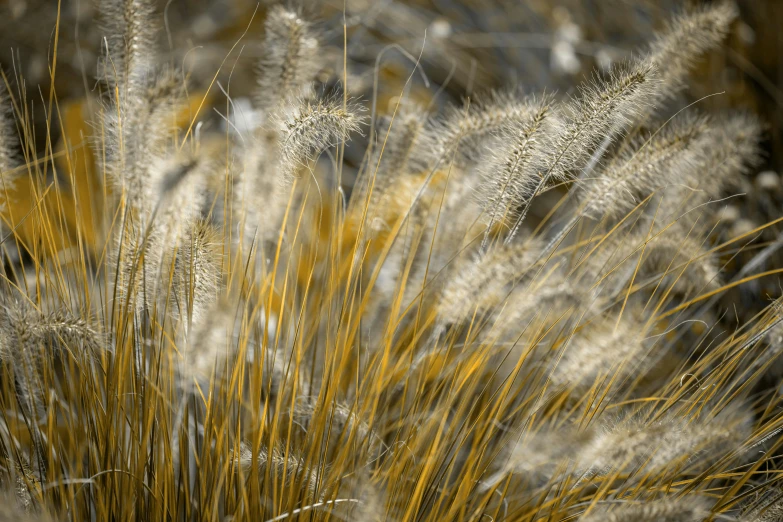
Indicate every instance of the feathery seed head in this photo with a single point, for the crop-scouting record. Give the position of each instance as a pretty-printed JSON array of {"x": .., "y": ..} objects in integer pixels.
[
  {"x": 683, "y": 259},
  {"x": 344, "y": 423},
  {"x": 673, "y": 153},
  {"x": 690, "y": 508},
  {"x": 15, "y": 506},
  {"x": 639, "y": 446},
  {"x": 604, "y": 352},
  {"x": 291, "y": 470},
  {"x": 537, "y": 455},
  {"x": 289, "y": 62},
  {"x": 687, "y": 37},
  {"x": 312, "y": 127},
  {"x": 767, "y": 509},
  {"x": 371, "y": 507},
  {"x": 7, "y": 139},
  {"x": 550, "y": 299},
  {"x": 601, "y": 111},
  {"x": 197, "y": 271},
  {"x": 32, "y": 339},
  {"x": 485, "y": 281},
  {"x": 129, "y": 29},
  {"x": 735, "y": 151},
  {"x": 178, "y": 193},
  {"x": 261, "y": 189},
  {"x": 208, "y": 343},
  {"x": 509, "y": 176},
  {"x": 458, "y": 135},
  {"x": 390, "y": 162},
  {"x": 139, "y": 134}
]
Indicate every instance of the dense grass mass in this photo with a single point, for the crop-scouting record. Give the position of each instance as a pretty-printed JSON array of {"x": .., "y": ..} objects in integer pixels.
[{"x": 509, "y": 309}]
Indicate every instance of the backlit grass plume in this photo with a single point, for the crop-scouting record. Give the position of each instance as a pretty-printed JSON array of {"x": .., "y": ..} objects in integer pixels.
[
  {"x": 668, "y": 510},
  {"x": 7, "y": 148},
  {"x": 301, "y": 301}
]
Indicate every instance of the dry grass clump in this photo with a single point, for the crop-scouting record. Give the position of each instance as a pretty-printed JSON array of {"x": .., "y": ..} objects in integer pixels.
[{"x": 233, "y": 337}]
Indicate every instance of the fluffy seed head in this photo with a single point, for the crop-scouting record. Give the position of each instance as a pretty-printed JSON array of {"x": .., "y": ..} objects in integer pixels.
[
  {"x": 635, "y": 445},
  {"x": 686, "y": 38},
  {"x": 197, "y": 273},
  {"x": 139, "y": 134},
  {"x": 343, "y": 422},
  {"x": 550, "y": 299},
  {"x": 7, "y": 139},
  {"x": 261, "y": 190},
  {"x": 483, "y": 282},
  {"x": 31, "y": 338},
  {"x": 17, "y": 505},
  {"x": 459, "y": 134},
  {"x": 734, "y": 152},
  {"x": 599, "y": 352},
  {"x": 178, "y": 189},
  {"x": 674, "y": 152},
  {"x": 683, "y": 259},
  {"x": 291, "y": 470},
  {"x": 313, "y": 127},
  {"x": 537, "y": 455},
  {"x": 391, "y": 159},
  {"x": 509, "y": 176},
  {"x": 129, "y": 29},
  {"x": 208, "y": 344},
  {"x": 602, "y": 110},
  {"x": 289, "y": 63},
  {"x": 687, "y": 509},
  {"x": 768, "y": 509}
]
